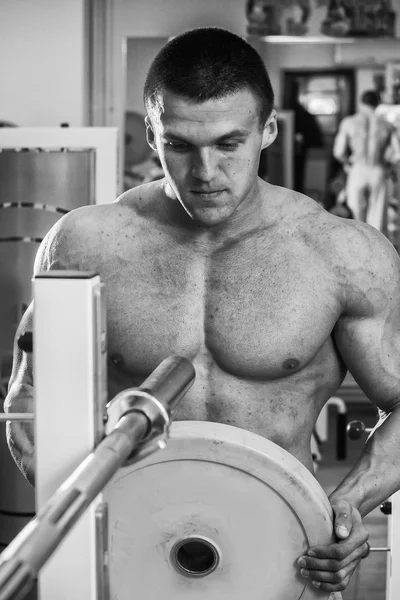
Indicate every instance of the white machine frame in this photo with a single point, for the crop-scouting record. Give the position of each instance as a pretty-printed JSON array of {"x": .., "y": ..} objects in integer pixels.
[
  {"x": 102, "y": 140},
  {"x": 70, "y": 397},
  {"x": 393, "y": 574}
]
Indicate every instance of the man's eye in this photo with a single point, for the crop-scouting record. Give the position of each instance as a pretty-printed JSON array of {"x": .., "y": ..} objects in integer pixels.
[
  {"x": 229, "y": 145},
  {"x": 178, "y": 146}
]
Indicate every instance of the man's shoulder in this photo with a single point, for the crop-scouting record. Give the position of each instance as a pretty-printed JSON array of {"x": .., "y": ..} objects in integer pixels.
[
  {"x": 363, "y": 258},
  {"x": 82, "y": 234},
  {"x": 83, "y": 222},
  {"x": 360, "y": 241},
  {"x": 347, "y": 245},
  {"x": 71, "y": 239},
  {"x": 352, "y": 240},
  {"x": 349, "y": 121},
  {"x": 88, "y": 221}
]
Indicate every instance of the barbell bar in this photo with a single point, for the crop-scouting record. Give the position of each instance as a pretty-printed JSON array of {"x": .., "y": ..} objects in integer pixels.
[{"x": 16, "y": 417}]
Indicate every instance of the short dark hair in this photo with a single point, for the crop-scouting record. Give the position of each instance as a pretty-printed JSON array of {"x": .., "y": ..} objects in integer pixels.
[
  {"x": 209, "y": 63},
  {"x": 371, "y": 98}
]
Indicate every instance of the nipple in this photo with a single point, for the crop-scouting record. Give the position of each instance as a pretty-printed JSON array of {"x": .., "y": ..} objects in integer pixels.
[
  {"x": 117, "y": 360},
  {"x": 291, "y": 363}
]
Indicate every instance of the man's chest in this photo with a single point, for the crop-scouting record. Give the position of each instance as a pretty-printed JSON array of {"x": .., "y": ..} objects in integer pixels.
[{"x": 253, "y": 315}]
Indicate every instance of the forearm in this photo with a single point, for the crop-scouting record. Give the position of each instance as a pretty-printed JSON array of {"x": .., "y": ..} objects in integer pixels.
[
  {"x": 340, "y": 148},
  {"x": 376, "y": 474},
  {"x": 20, "y": 435}
]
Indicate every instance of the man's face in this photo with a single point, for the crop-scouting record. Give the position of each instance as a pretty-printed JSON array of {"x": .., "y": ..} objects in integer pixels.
[{"x": 210, "y": 151}]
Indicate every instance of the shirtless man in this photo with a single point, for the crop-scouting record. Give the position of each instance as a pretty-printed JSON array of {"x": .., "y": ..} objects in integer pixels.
[
  {"x": 367, "y": 137},
  {"x": 271, "y": 297}
]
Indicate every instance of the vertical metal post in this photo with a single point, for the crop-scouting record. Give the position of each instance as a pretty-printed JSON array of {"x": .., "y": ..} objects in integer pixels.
[{"x": 70, "y": 397}]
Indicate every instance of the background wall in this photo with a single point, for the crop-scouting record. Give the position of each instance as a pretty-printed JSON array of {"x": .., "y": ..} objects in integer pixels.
[
  {"x": 140, "y": 52},
  {"x": 151, "y": 19},
  {"x": 43, "y": 48},
  {"x": 363, "y": 56},
  {"x": 42, "y": 62},
  {"x": 160, "y": 19}
]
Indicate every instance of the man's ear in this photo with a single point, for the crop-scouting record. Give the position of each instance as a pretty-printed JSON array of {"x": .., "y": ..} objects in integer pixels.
[
  {"x": 150, "y": 137},
  {"x": 270, "y": 130}
]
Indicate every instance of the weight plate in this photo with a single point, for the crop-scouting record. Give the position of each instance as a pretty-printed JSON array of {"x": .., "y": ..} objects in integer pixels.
[{"x": 221, "y": 513}]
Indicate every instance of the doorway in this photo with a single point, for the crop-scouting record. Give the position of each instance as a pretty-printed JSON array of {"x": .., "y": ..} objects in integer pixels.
[{"x": 320, "y": 99}]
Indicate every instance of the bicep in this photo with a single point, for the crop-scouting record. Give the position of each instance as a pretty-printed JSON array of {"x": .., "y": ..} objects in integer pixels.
[
  {"x": 22, "y": 369},
  {"x": 20, "y": 399},
  {"x": 370, "y": 348},
  {"x": 368, "y": 332}
]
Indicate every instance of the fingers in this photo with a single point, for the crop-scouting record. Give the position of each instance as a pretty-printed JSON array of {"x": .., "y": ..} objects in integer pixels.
[
  {"x": 333, "y": 558},
  {"x": 353, "y": 547},
  {"x": 331, "y": 567},
  {"x": 332, "y": 575},
  {"x": 335, "y": 581},
  {"x": 368, "y": 551}
]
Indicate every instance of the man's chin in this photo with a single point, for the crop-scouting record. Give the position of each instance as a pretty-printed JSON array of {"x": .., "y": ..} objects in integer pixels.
[{"x": 210, "y": 217}]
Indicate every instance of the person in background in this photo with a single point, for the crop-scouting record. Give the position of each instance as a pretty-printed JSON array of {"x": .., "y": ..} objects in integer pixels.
[{"x": 362, "y": 145}]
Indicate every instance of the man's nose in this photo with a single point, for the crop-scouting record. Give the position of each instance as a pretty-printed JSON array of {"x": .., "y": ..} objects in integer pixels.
[{"x": 205, "y": 164}]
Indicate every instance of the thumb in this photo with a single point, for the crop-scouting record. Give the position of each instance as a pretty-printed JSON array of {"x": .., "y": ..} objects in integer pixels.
[{"x": 342, "y": 511}]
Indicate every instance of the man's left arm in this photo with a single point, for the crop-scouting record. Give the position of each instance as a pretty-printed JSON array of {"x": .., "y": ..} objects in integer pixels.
[
  {"x": 368, "y": 338},
  {"x": 340, "y": 144}
]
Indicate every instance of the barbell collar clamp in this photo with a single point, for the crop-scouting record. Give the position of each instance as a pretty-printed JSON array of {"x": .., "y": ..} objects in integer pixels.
[
  {"x": 136, "y": 400},
  {"x": 155, "y": 398}
]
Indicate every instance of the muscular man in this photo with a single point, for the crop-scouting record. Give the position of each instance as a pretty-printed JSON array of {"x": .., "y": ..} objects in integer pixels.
[
  {"x": 271, "y": 297},
  {"x": 367, "y": 136}
]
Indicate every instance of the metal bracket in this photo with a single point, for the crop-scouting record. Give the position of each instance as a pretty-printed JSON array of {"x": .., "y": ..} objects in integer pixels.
[{"x": 137, "y": 400}]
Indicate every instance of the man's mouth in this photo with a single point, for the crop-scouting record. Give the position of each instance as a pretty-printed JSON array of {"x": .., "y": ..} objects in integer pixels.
[{"x": 206, "y": 192}]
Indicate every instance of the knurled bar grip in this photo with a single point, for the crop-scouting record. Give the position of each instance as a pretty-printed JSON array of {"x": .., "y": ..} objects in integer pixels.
[{"x": 22, "y": 560}]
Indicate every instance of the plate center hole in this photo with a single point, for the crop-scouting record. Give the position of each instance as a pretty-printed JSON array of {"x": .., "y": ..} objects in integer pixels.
[{"x": 196, "y": 556}]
